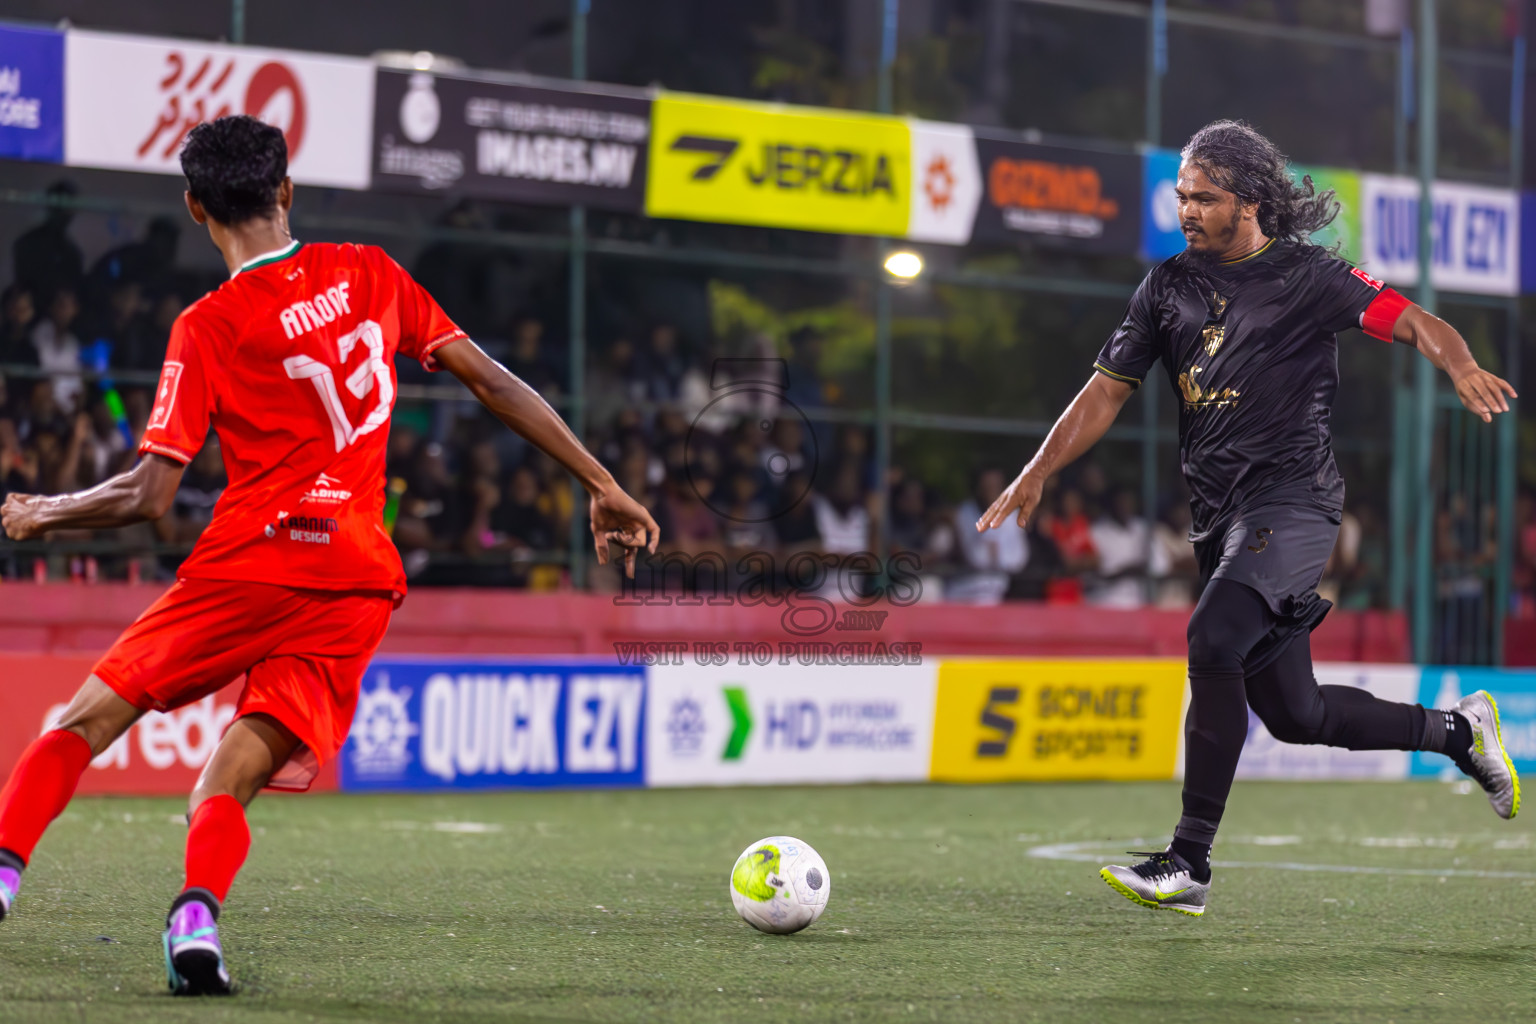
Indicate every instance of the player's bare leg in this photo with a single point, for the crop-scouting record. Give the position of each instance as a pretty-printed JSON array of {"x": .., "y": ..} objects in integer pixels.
[
  {"x": 45, "y": 778},
  {"x": 219, "y": 839}
]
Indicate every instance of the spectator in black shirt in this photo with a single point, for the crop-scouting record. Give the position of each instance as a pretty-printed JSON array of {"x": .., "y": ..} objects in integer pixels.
[
  {"x": 18, "y": 310},
  {"x": 46, "y": 258}
]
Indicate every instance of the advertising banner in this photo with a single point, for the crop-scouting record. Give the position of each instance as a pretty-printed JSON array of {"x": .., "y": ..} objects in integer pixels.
[
  {"x": 430, "y": 723},
  {"x": 1515, "y": 693},
  {"x": 130, "y": 100},
  {"x": 1160, "y": 234},
  {"x": 1474, "y": 235},
  {"x": 31, "y": 94},
  {"x": 1265, "y": 757},
  {"x": 946, "y": 182},
  {"x": 742, "y": 725},
  {"x": 1063, "y": 197},
  {"x": 773, "y": 165},
  {"x": 997, "y": 721},
  {"x": 499, "y": 140},
  {"x": 161, "y": 755}
]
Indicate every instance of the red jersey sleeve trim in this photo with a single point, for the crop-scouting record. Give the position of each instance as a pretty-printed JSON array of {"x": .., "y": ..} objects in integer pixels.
[
  {"x": 437, "y": 343},
  {"x": 1382, "y": 313},
  {"x": 169, "y": 451}
]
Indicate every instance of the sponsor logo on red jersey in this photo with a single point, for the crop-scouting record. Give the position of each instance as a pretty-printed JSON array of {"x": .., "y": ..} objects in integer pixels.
[
  {"x": 1367, "y": 278},
  {"x": 165, "y": 398},
  {"x": 326, "y": 491}
]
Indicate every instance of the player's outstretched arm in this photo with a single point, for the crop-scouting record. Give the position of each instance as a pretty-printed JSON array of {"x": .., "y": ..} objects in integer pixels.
[
  {"x": 616, "y": 517},
  {"x": 144, "y": 492},
  {"x": 1480, "y": 391},
  {"x": 1080, "y": 427}
]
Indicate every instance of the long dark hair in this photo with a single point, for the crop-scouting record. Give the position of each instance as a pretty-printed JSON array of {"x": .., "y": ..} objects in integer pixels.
[{"x": 1240, "y": 160}]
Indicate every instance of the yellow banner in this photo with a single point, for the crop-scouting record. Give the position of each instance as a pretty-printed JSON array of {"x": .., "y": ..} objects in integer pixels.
[
  {"x": 1002, "y": 720},
  {"x": 778, "y": 166}
]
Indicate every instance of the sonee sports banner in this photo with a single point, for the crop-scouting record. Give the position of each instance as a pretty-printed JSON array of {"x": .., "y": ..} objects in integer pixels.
[{"x": 499, "y": 140}]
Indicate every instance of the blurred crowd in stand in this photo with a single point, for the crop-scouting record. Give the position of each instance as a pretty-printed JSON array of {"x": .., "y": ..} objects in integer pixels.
[{"x": 720, "y": 450}]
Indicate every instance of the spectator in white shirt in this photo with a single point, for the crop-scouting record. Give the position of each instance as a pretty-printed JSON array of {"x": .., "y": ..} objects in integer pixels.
[
  {"x": 1124, "y": 545},
  {"x": 841, "y": 515},
  {"x": 58, "y": 350},
  {"x": 994, "y": 557}
]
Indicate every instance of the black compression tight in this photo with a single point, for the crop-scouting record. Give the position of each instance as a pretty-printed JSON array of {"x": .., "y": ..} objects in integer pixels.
[{"x": 1228, "y": 623}]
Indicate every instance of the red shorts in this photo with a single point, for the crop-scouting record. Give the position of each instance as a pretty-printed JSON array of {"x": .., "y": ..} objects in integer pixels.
[{"x": 302, "y": 652}]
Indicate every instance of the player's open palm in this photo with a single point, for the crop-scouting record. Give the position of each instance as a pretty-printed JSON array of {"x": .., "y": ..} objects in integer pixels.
[
  {"x": 1484, "y": 394},
  {"x": 1021, "y": 496},
  {"x": 619, "y": 519}
]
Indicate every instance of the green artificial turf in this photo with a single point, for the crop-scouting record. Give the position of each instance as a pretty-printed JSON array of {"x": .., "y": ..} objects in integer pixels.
[{"x": 615, "y": 907}]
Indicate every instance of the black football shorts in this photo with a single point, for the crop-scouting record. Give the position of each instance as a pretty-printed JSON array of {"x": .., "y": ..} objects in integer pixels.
[{"x": 1279, "y": 551}]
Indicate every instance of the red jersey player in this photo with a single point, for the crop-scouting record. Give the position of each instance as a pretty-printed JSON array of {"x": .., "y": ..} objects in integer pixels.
[{"x": 291, "y": 361}]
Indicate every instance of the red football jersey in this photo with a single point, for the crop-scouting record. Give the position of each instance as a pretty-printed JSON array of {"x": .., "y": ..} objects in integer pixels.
[{"x": 291, "y": 361}]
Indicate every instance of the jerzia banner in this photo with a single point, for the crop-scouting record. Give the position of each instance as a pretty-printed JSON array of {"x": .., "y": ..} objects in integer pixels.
[
  {"x": 775, "y": 165},
  {"x": 500, "y": 140}
]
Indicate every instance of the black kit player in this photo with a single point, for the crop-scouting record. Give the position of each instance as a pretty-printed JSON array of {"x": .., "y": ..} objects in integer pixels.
[{"x": 1244, "y": 322}]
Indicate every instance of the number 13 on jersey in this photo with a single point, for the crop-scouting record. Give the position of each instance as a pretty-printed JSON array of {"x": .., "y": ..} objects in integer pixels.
[{"x": 372, "y": 374}]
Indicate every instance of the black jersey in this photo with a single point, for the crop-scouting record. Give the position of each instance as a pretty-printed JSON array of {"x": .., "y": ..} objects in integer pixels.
[{"x": 1251, "y": 350}]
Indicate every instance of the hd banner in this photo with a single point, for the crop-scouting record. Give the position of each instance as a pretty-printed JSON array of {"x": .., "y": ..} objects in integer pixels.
[
  {"x": 1070, "y": 198},
  {"x": 31, "y": 94},
  {"x": 129, "y": 101},
  {"x": 737, "y": 725},
  {"x": 772, "y": 165},
  {"x": 429, "y": 723},
  {"x": 500, "y": 140}
]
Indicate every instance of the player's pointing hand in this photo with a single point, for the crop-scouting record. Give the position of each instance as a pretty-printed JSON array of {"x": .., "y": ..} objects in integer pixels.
[
  {"x": 1022, "y": 495},
  {"x": 619, "y": 519},
  {"x": 1484, "y": 394}
]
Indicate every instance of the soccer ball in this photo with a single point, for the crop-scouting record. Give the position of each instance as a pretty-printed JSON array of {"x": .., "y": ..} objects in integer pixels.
[{"x": 780, "y": 885}]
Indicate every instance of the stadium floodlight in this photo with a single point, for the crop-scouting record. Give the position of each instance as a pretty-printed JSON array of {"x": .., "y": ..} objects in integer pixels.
[{"x": 904, "y": 264}]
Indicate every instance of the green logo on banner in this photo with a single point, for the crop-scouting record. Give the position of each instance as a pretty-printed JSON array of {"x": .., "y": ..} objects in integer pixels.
[{"x": 741, "y": 723}]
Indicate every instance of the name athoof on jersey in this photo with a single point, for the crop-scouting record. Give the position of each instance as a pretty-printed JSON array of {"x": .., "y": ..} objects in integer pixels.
[
  {"x": 308, "y": 314},
  {"x": 304, "y": 529}
]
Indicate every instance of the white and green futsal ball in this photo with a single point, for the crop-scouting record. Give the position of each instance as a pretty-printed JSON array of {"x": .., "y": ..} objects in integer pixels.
[{"x": 780, "y": 885}]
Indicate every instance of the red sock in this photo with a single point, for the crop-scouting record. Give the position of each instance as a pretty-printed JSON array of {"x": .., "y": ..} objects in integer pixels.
[
  {"x": 40, "y": 787},
  {"x": 217, "y": 844}
]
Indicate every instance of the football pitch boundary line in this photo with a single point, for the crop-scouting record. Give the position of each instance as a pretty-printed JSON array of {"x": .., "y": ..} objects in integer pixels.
[{"x": 1090, "y": 852}]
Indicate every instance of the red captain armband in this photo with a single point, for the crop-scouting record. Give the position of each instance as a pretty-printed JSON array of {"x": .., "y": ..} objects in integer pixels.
[{"x": 1382, "y": 313}]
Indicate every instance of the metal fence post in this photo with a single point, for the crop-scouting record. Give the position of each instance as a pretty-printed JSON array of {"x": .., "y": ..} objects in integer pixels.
[
  {"x": 1424, "y": 373},
  {"x": 1508, "y": 425},
  {"x": 577, "y": 415},
  {"x": 888, "y": 16}
]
